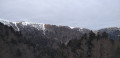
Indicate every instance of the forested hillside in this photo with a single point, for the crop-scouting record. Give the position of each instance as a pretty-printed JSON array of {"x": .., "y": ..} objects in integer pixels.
[{"x": 21, "y": 44}]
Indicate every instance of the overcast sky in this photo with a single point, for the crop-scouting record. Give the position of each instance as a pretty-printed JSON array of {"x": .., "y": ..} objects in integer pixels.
[{"x": 92, "y": 14}]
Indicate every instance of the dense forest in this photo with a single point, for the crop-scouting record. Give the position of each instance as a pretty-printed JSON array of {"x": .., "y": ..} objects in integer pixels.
[{"x": 14, "y": 44}]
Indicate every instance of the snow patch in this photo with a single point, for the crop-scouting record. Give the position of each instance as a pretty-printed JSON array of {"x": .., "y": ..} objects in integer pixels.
[
  {"x": 16, "y": 26},
  {"x": 71, "y": 27},
  {"x": 44, "y": 29},
  {"x": 8, "y": 23},
  {"x": 38, "y": 26},
  {"x": 25, "y": 23},
  {"x": 5, "y": 22},
  {"x": 81, "y": 28}
]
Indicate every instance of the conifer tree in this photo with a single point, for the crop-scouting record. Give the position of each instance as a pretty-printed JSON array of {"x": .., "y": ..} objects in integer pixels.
[
  {"x": 104, "y": 35},
  {"x": 92, "y": 35},
  {"x": 98, "y": 35}
]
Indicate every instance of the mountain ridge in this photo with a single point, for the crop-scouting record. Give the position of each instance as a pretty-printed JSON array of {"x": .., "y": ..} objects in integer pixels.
[
  {"x": 6, "y": 22},
  {"x": 49, "y": 30}
]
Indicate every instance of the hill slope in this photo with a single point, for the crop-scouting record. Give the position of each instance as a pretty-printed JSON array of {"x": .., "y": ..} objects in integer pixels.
[{"x": 54, "y": 42}]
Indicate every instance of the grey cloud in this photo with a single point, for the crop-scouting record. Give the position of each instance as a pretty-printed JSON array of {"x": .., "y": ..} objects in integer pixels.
[{"x": 93, "y": 14}]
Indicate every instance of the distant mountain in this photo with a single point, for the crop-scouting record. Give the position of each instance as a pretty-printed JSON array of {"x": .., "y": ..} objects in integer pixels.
[{"x": 113, "y": 32}]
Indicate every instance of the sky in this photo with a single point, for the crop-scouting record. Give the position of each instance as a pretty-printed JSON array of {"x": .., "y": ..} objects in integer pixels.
[{"x": 91, "y": 14}]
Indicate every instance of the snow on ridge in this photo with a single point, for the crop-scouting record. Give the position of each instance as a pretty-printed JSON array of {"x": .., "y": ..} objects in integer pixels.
[
  {"x": 25, "y": 23},
  {"x": 76, "y": 27},
  {"x": 79, "y": 29},
  {"x": 72, "y": 27},
  {"x": 43, "y": 26},
  {"x": 5, "y": 22},
  {"x": 17, "y": 29},
  {"x": 44, "y": 29},
  {"x": 8, "y": 23},
  {"x": 39, "y": 26}
]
